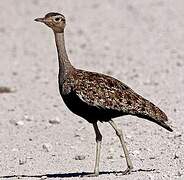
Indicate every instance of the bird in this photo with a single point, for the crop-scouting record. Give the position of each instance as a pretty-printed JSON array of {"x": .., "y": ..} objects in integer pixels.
[{"x": 97, "y": 97}]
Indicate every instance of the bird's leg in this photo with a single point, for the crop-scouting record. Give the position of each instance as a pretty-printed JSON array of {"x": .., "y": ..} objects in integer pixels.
[
  {"x": 120, "y": 135},
  {"x": 98, "y": 148}
]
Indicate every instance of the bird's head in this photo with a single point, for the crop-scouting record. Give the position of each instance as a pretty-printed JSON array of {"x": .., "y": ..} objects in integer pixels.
[{"x": 55, "y": 21}]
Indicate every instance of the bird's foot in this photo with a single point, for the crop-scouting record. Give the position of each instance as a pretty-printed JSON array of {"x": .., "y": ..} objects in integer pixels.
[
  {"x": 95, "y": 174},
  {"x": 127, "y": 171}
]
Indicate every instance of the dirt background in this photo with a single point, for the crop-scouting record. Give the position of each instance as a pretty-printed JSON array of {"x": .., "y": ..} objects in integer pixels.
[{"x": 139, "y": 42}]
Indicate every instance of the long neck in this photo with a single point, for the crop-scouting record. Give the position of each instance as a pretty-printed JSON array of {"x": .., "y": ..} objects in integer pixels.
[{"x": 64, "y": 63}]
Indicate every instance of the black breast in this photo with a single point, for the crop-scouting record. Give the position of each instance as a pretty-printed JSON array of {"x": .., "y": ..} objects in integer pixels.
[{"x": 88, "y": 112}]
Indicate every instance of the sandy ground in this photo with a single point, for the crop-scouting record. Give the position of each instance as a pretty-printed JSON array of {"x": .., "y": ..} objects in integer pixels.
[{"x": 139, "y": 42}]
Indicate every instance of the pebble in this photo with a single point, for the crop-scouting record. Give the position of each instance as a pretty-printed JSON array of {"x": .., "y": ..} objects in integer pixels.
[
  {"x": 28, "y": 118},
  {"x": 177, "y": 134},
  {"x": 72, "y": 147},
  {"x": 80, "y": 157},
  {"x": 122, "y": 156},
  {"x": 81, "y": 128},
  {"x": 152, "y": 157},
  {"x": 136, "y": 152},
  {"x": 110, "y": 157},
  {"x": 43, "y": 177},
  {"x": 4, "y": 89},
  {"x": 176, "y": 156},
  {"x": 179, "y": 173},
  {"x": 22, "y": 161},
  {"x": 56, "y": 120},
  {"x": 129, "y": 136},
  {"x": 82, "y": 139},
  {"x": 17, "y": 123},
  {"x": 15, "y": 150},
  {"x": 47, "y": 147},
  {"x": 148, "y": 149},
  {"x": 76, "y": 135}
]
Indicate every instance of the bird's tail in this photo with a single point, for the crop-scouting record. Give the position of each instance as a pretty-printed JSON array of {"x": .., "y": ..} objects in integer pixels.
[{"x": 148, "y": 110}]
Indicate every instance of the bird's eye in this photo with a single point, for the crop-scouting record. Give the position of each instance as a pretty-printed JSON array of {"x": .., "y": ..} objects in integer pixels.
[{"x": 57, "y": 19}]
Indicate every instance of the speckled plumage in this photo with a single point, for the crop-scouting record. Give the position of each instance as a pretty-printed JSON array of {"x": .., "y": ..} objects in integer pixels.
[
  {"x": 107, "y": 97},
  {"x": 98, "y": 97}
]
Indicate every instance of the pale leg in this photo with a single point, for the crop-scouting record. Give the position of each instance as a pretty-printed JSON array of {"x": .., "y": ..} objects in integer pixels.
[
  {"x": 120, "y": 135},
  {"x": 98, "y": 148}
]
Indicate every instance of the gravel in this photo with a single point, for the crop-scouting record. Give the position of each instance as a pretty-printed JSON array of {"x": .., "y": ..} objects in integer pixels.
[{"x": 137, "y": 42}]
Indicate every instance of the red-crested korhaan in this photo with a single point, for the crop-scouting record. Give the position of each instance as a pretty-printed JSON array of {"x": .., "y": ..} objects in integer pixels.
[{"x": 98, "y": 97}]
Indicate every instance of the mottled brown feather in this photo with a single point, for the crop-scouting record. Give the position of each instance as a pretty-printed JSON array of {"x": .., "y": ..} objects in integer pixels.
[{"x": 104, "y": 92}]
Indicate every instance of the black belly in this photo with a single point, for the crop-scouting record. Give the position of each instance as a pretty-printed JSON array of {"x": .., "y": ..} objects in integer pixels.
[{"x": 90, "y": 113}]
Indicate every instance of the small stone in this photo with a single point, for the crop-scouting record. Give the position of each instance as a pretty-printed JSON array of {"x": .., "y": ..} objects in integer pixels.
[
  {"x": 110, "y": 157},
  {"x": 148, "y": 149},
  {"x": 4, "y": 89},
  {"x": 43, "y": 177},
  {"x": 177, "y": 134},
  {"x": 176, "y": 156},
  {"x": 82, "y": 139},
  {"x": 47, "y": 147},
  {"x": 122, "y": 156},
  {"x": 19, "y": 123},
  {"x": 22, "y": 161},
  {"x": 129, "y": 136},
  {"x": 15, "y": 150},
  {"x": 11, "y": 109},
  {"x": 81, "y": 128},
  {"x": 19, "y": 177},
  {"x": 76, "y": 135},
  {"x": 54, "y": 121},
  {"x": 179, "y": 173},
  {"x": 28, "y": 118},
  {"x": 80, "y": 157},
  {"x": 72, "y": 147},
  {"x": 136, "y": 152},
  {"x": 29, "y": 157}
]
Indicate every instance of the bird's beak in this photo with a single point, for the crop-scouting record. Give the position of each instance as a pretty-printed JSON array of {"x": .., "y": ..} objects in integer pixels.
[{"x": 40, "y": 20}]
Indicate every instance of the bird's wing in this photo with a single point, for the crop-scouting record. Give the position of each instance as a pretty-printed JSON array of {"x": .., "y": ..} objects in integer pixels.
[
  {"x": 108, "y": 93},
  {"x": 104, "y": 92}
]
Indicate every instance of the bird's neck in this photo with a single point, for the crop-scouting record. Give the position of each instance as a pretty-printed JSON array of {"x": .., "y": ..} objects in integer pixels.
[{"x": 64, "y": 64}]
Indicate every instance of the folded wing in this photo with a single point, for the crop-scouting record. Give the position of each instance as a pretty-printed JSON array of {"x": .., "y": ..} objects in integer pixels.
[{"x": 110, "y": 94}]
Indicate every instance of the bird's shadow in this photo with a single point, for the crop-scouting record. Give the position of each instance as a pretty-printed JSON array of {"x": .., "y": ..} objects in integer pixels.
[{"x": 69, "y": 175}]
